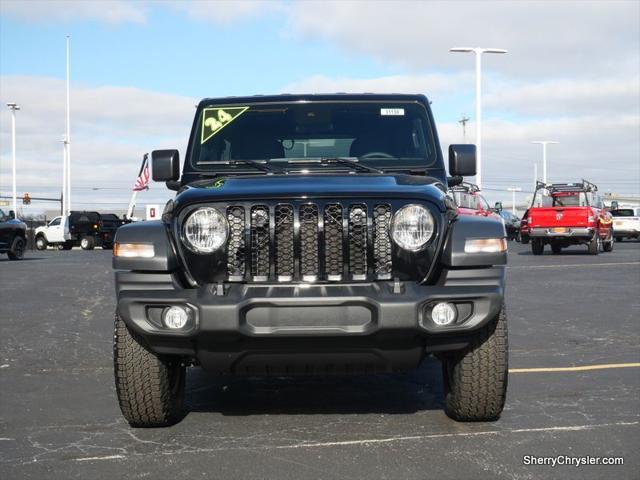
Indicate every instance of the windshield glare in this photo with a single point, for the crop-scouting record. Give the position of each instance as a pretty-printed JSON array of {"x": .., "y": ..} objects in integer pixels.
[{"x": 379, "y": 134}]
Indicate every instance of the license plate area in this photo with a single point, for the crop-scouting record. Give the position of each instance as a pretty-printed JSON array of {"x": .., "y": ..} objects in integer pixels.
[
  {"x": 560, "y": 230},
  {"x": 301, "y": 320}
]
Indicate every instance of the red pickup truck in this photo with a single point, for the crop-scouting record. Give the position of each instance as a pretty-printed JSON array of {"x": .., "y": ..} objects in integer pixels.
[
  {"x": 564, "y": 214},
  {"x": 471, "y": 202}
]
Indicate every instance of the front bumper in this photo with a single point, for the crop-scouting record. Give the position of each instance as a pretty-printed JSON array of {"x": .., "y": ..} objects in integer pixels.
[
  {"x": 570, "y": 232},
  {"x": 231, "y": 322}
]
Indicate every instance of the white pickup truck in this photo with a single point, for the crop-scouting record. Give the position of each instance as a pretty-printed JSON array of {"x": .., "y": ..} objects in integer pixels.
[
  {"x": 55, "y": 233},
  {"x": 626, "y": 223}
]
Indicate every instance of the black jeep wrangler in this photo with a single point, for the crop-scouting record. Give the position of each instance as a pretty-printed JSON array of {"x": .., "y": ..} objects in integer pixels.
[
  {"x": 13, "y": 237},
  {"x": 310, "y": 235}
]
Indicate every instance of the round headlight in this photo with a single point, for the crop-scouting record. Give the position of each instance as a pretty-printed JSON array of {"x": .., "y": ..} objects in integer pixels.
[
  {"x": 205, "y": 230},
  {"x": 412, "y": 227}
]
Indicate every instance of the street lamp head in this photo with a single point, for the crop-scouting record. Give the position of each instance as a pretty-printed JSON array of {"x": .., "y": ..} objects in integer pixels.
[
  {"x": 493, "y": 50},
  {"x": 462, "y": 49},
  {"x": 13, "y": 106}
]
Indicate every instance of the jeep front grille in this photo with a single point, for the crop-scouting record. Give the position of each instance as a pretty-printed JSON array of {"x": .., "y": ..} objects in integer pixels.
[{"x": 309, "y": 242}]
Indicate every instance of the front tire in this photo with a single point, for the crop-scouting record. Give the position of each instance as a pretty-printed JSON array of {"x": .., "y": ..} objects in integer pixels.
[
  {"x": 41, "y": 243},
  {"x": 594, "y": 244},
  {"x": 476, "y": 378},
  {"x": 150, "y": 388},
  {"x": 537, "y": 246},
  {"x": 17, "y": 249},
  {"x": 87, "y": 243}
]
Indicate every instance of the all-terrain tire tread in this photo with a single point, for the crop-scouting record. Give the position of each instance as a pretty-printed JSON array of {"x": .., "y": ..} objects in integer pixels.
[
  {"x": 478, "y": 375},
  {"x": 143, "y": 381}
]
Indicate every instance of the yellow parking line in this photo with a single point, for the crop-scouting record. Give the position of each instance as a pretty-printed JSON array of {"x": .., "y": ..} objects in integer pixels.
[{"x": 583, "y": 368}]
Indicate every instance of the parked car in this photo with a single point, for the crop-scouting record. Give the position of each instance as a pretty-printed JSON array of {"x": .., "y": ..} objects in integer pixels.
[
  {"x": 86, "y": 229},
  {"x": 564, "y": 214},
  {"x": 13, "y": 238},
  {"x": 626, "y": 223},
  {"x": 511, "y": 224},
  {"x": 471, "y": 202},
  {"x": 310, "y": 235}
]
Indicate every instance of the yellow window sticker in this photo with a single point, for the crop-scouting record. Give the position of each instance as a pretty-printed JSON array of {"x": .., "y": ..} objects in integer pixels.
[{"x": 215, "y": 119}]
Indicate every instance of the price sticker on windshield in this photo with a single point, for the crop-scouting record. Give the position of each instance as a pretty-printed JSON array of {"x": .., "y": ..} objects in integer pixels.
[
  {"x": 215, "y": 119},
  {"x": 397, "y": 112}
]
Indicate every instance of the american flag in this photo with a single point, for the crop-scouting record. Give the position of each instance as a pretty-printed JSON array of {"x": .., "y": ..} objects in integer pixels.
[{"x": 142, "y": 182}]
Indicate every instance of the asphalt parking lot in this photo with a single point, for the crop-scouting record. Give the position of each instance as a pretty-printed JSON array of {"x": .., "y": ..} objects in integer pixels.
[{"x": 59, "y": 416}]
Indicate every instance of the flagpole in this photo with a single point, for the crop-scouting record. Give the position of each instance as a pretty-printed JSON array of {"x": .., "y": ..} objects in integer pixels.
[{"x": 134, "y": 195}]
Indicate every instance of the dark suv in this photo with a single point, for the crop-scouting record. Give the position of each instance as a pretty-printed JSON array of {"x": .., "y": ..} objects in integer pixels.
[
  {"x": 310, "y": 235},
  {"x": 13, "y": 238}
]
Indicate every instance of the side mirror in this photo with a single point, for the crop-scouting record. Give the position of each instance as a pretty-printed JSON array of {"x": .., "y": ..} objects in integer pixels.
[
  {"x": 12, "y": 215},
  {"x": 498, "y": 207},
  {"x": 462, "y": 160},
  {"x": 165, "y": 165}
]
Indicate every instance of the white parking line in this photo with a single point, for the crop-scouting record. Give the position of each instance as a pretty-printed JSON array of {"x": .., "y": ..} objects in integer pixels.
[
  {"x": 570, "y": 428},
  {"x": 106, "y": 457},
  {"x": 612, "y": 264}
]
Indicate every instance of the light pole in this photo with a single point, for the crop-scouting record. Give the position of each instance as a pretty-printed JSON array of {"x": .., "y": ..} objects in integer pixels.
[
  {"x": 513, "y": 191},
  {"x": 544, "y": 144},
  {"x": 478, "y": 52},
  {"x": 67, "y": 140},
  {"x": 13, "y": 107}
]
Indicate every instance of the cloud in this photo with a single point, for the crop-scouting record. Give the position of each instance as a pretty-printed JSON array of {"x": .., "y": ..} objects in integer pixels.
[
  {"x": 543, "y": 38},
  {"x": 434, "y": 83},
  {"x": 602, "y": 149},
  {"x": 46, "y": 11},
  {"x": 111, "y": 127},
  {"x": 604, "y": 96},
  {"x": 227, "y": 11}
]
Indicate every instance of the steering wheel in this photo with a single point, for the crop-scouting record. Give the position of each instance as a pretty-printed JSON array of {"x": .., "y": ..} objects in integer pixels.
[{"x": 377, "y": 155}]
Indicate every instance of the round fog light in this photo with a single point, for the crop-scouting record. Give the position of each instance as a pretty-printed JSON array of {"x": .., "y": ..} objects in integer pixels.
[
  {"x": 444, "y": 314},
  {"x": 175, "y": 317}
]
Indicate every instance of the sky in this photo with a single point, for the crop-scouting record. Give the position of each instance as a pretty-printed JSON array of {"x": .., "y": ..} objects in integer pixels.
[{"x": 571, "y": 74}]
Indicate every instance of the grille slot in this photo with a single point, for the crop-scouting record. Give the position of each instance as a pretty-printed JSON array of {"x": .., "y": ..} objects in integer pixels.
[
  {"x": 382, "y": 241},
  {"x": 309, "y": 242},
  {"x": 260, "y": 243},
  {"x": 284, "y": 258},
  {"x": 236, "y": 246},
  {"x": 333, "y": 258},
  {"x": 358, "y": 241}
]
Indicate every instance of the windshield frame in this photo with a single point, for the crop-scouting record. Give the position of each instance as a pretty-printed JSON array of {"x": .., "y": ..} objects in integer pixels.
[{"x": 189, "y": 168}]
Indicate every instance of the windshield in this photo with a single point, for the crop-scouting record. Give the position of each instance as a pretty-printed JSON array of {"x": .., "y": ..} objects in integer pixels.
[
  {"x": 560, "y": 199},
  {"x": 379, "y": 134},
  {"x": 623, "y": 212}
]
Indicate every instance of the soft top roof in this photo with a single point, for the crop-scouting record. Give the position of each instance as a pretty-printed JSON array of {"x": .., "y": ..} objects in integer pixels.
[{"x": 316, "y": 97}]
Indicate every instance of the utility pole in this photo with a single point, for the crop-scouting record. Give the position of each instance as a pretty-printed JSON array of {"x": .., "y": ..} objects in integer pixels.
[
  {"x": 544, "y": 144},
  {"x": 513, "y": 191},
  {"x": 13, "y": 107},
  {"x": 478, "y": 53},
  {"x": 67, "y": 140},
  {"x": 464, "y": 121}
]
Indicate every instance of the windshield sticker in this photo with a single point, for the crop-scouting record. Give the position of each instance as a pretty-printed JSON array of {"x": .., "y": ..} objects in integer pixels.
[
  {"x": 216, "y": 118},
  {"x": 392, "y": 111}
]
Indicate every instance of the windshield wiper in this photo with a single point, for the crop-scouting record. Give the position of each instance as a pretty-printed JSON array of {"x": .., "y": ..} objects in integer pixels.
[
  {"x": 257, "y": 165},
  {"x": 340, "y": 160}
]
